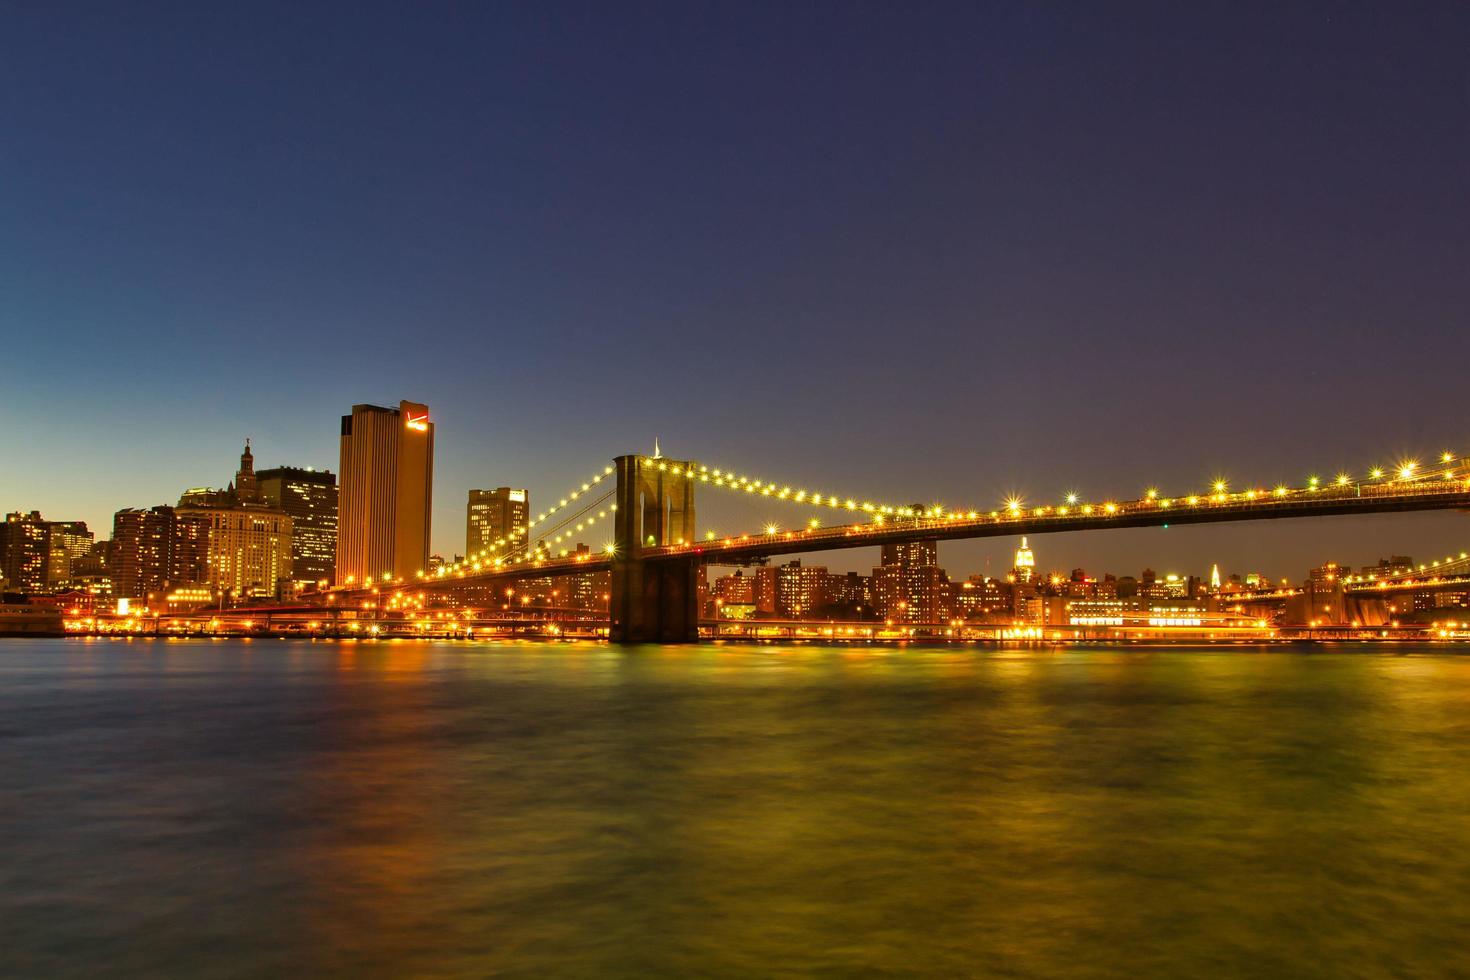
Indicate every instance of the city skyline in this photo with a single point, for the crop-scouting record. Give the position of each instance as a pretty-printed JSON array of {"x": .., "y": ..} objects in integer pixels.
[
  {"x": 1277, "y": 549},
  {"x": 1074, "y": 279}
]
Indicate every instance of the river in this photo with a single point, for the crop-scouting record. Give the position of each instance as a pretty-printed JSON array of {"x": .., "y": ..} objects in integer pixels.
[{"x": 267, "y": 808}]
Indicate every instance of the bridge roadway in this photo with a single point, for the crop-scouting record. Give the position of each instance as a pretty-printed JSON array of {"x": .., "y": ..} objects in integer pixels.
[
  {"x": 1326, "y": 501},
  {"x": 1160, "y": 512}
]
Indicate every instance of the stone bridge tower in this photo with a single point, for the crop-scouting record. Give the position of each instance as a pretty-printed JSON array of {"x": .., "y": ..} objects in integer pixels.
[{"x": 654, "y": 601}]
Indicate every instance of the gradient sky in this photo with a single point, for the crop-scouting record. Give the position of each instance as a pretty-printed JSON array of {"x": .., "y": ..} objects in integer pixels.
[{"x": 907, "y": 251}]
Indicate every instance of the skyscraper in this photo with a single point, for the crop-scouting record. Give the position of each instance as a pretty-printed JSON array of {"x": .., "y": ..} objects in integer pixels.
[
  {"x": 387, "y": 474},
  {"x": 69, "y": 541},
  {"x": 498, "y": 515},
  {"x": 155, "y": 548},
  {"x": 309, "y": 496},
  {"x": 247, "y": 541},
  {"x": 1025, "y": 567},
  {"x": 24, "y": 547}
]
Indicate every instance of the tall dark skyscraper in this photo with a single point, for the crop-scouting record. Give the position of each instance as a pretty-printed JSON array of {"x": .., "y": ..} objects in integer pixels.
[
  {"x": 387, "y": 482},
  {"x": 24, "y": 548},
  {"x": 310, "y": 497},
  {"x": 36, "y": 555},
  {"x": 156, "y": 548},
  {"x": 495, "y": 515}
]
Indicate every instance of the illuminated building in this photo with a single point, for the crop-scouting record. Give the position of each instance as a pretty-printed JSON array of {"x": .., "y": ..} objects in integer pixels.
[
  {"x": 588, "y": 590},
  {"x": 36, "y": 555},
  {"x": 984, "y": 598},
  {"x": 738, "y": 588},
  {"x": 909, "y": 586},
  {"x": 1102, "y": 612},
  {"x": 187, "y": 598},
  {"x": 1154, "y": 589},
  {"x": 387, "y": 477},
  {"x": 1215, "y": 578},
  {"x": 68, "y": 545},
  {"x": 492, "y": 516},
  {"x": 1397, "y": 565},
  {"x": 851, "y": 594},
  {"x": 309, "y": 496},
  {"x": 24, "y": 550},
  {"x": 800, "y": 589},
  {"x": 765, "y": 590},
  {"x": 246, "y": 542},
  {"x": 154, "y": 548},
  {"x": 1025, "y": 567}
]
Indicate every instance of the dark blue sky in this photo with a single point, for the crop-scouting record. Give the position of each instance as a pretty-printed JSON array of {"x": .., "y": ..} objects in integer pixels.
[{"x": 921, "y": 251}]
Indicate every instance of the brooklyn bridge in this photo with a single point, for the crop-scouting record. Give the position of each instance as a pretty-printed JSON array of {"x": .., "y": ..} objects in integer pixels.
[{"x": 656, "y": 548}]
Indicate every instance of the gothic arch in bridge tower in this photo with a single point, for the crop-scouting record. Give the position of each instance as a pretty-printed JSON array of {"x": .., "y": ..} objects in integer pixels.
[{"x": 653, "y": 602}]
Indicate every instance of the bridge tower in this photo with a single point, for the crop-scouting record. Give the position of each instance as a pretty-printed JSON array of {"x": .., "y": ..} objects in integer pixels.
[{"x": 653, "y": 601}]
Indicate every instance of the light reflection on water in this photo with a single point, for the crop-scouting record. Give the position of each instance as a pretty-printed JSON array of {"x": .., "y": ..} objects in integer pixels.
[{"x": 258, "y": 808}]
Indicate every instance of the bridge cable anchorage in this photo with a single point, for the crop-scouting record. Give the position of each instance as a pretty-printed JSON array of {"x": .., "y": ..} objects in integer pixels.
[{"x": 504, "y": 550}]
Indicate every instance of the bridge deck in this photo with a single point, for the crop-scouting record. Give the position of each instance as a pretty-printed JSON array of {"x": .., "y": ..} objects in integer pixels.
[{"x": 1327, "y": 501}]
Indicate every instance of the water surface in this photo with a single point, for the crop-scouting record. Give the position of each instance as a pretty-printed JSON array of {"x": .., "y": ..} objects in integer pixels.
[{"x": 268, "y": 808}]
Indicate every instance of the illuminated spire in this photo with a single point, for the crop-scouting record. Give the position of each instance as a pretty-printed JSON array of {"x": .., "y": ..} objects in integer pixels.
[
  {"x": 1025, "y": 566},
  {"x": 1215, "y": 577},
  {"x": 656, "y": 453}
]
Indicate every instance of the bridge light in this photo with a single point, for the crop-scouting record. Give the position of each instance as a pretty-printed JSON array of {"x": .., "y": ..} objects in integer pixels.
[
  {"x": 1280, "y": 491},
  {"x": 1313, "y": 481},
  {"x": 1220, "y": 486},
  {"x": 772, "y": 529},
  {"x": 1446, "y": 456},
  {"x": 813, "y": 523},
  {"x": 1151, "y": 493},
  {"x": 1062, "y": 511},
  {"x": 1110, "y": 507},
  {"x": 1342, "y": 479},
  {"x": 1406, "y": 470},
  {"x": 1071, "y": 498},
  {"x": 1377, "y": 473},
  {"x": 1193, "y": 501}
]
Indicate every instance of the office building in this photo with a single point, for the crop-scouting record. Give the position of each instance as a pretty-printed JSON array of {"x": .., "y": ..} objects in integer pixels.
[
  {"x": 246, "y": 542},
  {"x": 495, "y": 519},
  {"x": 387, "y": 476},
  {"x": 24, "y": 550},
  {"x": 309, "y": 497},
  {"x": 155, "y": 548},
  {"x": 68, "y": 545}
]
